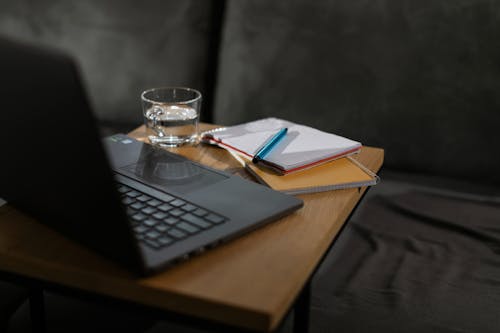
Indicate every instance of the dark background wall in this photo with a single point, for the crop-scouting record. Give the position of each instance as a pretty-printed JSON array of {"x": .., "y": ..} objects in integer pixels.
[{"x": 419, "y": 78}]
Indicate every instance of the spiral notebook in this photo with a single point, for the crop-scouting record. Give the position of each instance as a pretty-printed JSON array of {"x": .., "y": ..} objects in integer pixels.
[
  {"x": 303, "y": 147},
  {"x": 335, "y": 175}
]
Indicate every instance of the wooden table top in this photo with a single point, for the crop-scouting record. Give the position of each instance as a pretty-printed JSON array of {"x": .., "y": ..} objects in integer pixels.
[{"x": 250, "y": 282}]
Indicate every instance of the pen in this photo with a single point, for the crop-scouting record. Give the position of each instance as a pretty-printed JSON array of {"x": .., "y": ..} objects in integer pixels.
[{"x": 269, "y": 145}]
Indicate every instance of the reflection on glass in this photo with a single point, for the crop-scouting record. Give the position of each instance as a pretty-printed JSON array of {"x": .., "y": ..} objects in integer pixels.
[
  {"x": 157, "y": 167},
  {"x": 163, "y": 170}
]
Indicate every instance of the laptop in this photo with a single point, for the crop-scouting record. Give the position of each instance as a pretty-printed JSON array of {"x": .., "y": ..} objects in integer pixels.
[{"x": 138, "y": 205}]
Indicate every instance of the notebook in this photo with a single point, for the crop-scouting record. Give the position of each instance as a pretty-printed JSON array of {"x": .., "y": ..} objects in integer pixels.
[
  {"x": 303, "y": 147},
  {"x": 339, "y": 174}
]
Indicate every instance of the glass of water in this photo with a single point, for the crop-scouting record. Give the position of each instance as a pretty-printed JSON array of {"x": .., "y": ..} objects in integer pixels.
[{"x": 171, "y": 115}]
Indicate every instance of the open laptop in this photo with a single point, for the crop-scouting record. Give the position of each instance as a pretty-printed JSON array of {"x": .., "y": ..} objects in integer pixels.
[{"x": 137, "y": 204}]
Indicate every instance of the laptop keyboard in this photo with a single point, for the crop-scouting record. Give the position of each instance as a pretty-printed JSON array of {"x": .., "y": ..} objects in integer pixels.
[{"x": 162, "y": 223}]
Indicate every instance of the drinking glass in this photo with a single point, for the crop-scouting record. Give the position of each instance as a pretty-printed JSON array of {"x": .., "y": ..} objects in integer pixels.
[{"x": 171, "y": 115}]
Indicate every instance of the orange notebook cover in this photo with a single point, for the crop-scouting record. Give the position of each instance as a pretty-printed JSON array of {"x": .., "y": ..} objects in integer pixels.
[{"x": 339, "y": 174}]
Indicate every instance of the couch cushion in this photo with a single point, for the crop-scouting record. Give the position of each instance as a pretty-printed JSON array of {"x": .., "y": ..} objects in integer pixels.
[
  {"x": 414, "y": 261},
  {"x": 418, "y": 78},
  {"x": 123, "y": 47}
]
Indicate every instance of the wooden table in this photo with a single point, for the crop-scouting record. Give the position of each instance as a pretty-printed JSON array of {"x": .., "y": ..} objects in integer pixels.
[{"x": 249, "y": 283}]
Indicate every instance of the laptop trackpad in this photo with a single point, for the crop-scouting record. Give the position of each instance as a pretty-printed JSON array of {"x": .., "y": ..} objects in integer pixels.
[{"x": 174, "y": 174}]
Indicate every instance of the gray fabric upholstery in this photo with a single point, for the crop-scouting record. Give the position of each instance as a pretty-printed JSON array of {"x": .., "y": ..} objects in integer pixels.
[
  {"x": 428, "y": 266},
  {"x": 413, "y": 261},
  {"x": 397, "y": 182},
  {"x": 419, "y": 78},
  {"x": 124, "y": 47}
]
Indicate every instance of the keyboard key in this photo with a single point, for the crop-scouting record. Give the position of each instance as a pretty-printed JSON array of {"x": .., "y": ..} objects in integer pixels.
[
  {"x": 154, "y": 202},
  {"x": 188, "y": 207},
  {"x": 148, "y": 210},
  {"x": 140, "y": 229},
  {"x": 171, "y": 220},
  {"x": 143, "y": 198},
  {"x": 138, "y": 217},
  {"x": 167, "y": 198},
  {"x": 157, "y": 223},
  {"x": 132, "y": 194},
  {"x": 177, "y": 212},
  {"x": 177, "y": 203},
  {"x": 161, "y": 228},
  {"x": 153, "y": 234},
  {"x": 200, "y": 212},
  {"x": 137, "y": 205},
  {"x": 150, "y": 222},
  {"x": 187, "y": 227},
  {"x": 154, "y": 244},
  {"x": 214, "y": 218},
  {"x": 197, "y": 221},
  {"x": 123, "y": 189},
  {"x": 164, "y": 207},
  {"x": 130, "y": 211},
  {"x": 159, "y": 215},
  {"x": 165, "y": 240},
  {"x": 127, "y": 200},
  {"x": 176, "y": 233}
]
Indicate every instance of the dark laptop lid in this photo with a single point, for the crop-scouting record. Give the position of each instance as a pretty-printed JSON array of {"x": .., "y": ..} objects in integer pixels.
[{"x": 53, "y": 165}]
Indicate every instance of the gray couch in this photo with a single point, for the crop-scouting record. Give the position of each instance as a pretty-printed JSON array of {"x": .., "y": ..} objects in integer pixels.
[{"x": 419, "y": 78}]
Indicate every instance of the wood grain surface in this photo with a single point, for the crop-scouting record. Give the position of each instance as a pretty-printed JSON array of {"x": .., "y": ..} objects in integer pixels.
[{"x": 249, "y": 282}]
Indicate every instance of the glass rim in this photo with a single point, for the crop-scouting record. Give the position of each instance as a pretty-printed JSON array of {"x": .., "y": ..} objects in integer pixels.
[{"x": 192, "y": 100}]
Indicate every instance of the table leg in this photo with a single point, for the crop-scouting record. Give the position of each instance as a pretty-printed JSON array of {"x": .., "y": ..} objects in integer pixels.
[
  {"x": 301, "y": 310},
  {"x": 37, "y": 310}
]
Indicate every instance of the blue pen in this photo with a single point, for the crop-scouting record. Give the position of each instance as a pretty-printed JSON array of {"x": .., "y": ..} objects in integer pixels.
[{"x": 269, "y": 145}]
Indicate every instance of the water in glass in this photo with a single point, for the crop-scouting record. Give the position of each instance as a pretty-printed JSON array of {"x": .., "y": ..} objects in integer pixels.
[{"x": 172, "y": 124}]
